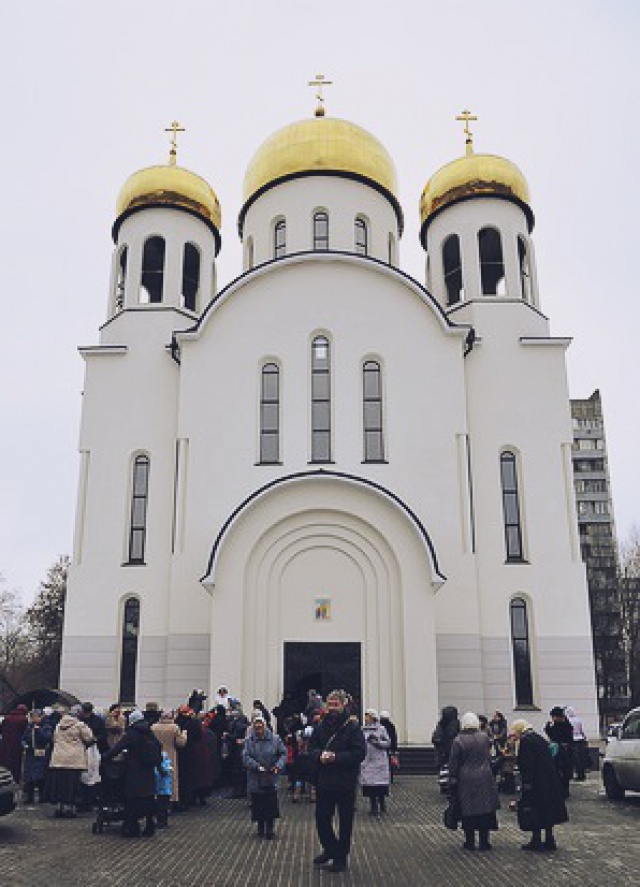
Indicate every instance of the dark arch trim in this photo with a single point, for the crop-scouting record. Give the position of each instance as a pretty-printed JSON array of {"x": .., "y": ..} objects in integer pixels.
[{"x": 322, "y": 472}]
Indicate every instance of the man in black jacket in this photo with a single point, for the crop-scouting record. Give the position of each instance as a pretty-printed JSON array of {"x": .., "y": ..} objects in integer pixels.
[{"x": 336, "y": 751}]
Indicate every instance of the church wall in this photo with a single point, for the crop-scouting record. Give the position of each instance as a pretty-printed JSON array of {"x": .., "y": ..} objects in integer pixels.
[{"x": 297, "y": 200}]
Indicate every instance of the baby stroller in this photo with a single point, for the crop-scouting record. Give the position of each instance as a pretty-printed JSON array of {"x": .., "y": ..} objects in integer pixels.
[{"x": 111, "y": 795}]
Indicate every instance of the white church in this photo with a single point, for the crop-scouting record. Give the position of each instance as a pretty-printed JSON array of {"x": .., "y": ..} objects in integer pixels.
[{"x": 324, "y": 472}]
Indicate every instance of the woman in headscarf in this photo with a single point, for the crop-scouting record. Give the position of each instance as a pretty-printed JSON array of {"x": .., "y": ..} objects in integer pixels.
[
  {"x": 375, "y": 774},
  {"x": 542, "y": 792},
  {"x": 71, "y": 739},
  {"x": 471, "y": 778},
  {"x": 171, "y": 739},
  {"x": 264, "y": 756},
  {"x": 446, "y": 729}
]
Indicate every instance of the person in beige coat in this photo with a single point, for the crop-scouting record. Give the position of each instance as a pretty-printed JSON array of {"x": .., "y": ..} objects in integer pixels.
[
  {"x": 71, "y": 739},
  {"x": 172, "y": 738}
]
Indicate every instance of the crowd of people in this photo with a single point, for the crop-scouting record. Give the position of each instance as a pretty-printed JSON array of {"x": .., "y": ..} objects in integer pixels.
[
  {"x": 172, "y": 760},
  {"x": 478, "y": 756}
]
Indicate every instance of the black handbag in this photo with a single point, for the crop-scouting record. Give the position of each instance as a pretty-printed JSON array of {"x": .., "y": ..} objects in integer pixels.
[
  {"x": 527, "y": 816},
  {"x": 451, "y": 815}
]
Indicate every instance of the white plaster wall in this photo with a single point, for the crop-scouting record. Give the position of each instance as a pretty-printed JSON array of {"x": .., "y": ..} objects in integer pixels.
[{"x": 298, "y": 199}]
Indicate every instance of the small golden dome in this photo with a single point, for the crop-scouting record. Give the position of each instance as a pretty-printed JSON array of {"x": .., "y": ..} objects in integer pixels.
[
  {"x": 320, "y": 145},
  {"x": 474, "y": 175},
  {"x": 168, "y": 186}
]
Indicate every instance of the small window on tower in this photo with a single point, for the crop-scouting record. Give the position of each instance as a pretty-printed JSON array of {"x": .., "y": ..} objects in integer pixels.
[
  {"x": 190, "y": 276},
  {"x": 121, "y": 278},
  {"x": 321, "y": 231},
  {"x": 361, "y": 237},
  {"x": 151, "y": 283},
  {"x": 452, "y": 266},
  {"x": 280, "y": 239},
  {"x": 525, "y": 269},
  {"x": 249, "y": 253},
  {"x": 491, "y": 262}
]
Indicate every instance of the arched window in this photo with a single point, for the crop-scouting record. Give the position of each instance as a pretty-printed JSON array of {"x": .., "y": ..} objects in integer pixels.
[
  {"x": 152, "y": 270},
  {"x": 521, "y": 651},
  {"x": 491, "y": 262},
  {"x": 269, "y": 413},
  {"x": 321, "y": 231},
  {"x": 129, "y": 650},
  {"x": 320, "y": 400},
  {"x": 121, "y": 277},
  {"x": 361, "y": 237},
  {"x": 392, "y": 248},
  {"x": 452, "y": 267},
  {"x": 280, "y": 239},
  {"x": 525, "y": 268},
  {"x": 139, "y": 497},
  {"x": 249, "y": 253},
  {"x": 511, "y": 507},
  {"x": 190, "y": 276},
  {"x": 372, "y": 408}
]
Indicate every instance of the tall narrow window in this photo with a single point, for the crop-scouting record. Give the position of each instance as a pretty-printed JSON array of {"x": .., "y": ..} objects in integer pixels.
[
  {"x": 521, "y": 652},
  {"x": 280, "y": 239},
  {"x": 525, "y": 269},
  {"x": 139, "y": 497},
  {"x": 452, "y": 266},
  {"x": 372, "y": 406},
  {"x": 320, "y": 401},
  {"x": 511, "y": 507},
  {"x": 321, "y": 231},
  {"x": 491, "y": 262},
  {"x": 269, "y": 413},
  {"x": 152, "y": 270},
  {"x": 121, "y": 278},
  {"x": 129, "y": 650},
  {"x": 249, "y": 253},
  {"x": 361, "y": 237},
  {"x": 190, "y": 276},
  {"x": 392, "y": 248}
]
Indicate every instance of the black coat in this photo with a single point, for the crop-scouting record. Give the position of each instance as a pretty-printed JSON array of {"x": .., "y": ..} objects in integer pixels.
[
  {"x": 346, "y": 740},
  {"x": 541, "y": 784},
  {"x": 139, "y": 779}
]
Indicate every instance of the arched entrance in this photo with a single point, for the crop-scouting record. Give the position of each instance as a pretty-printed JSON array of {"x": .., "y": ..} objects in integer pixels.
[{"x": 324, "y": 562}]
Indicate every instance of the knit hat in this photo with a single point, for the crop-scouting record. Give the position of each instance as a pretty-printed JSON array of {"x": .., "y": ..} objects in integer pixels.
[
  {"x": 135, "y": 716},
  {"x": 258, "y": 716},
  {"x": 519, "y": 727},
  {"x": 386, "y": 715},
  {"x": 373, "y": 713},
  {"x": 469, "y": 721}
]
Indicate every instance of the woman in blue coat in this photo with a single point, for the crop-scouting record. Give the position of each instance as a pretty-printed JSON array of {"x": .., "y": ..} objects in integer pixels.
[
  {"x": 36, "y": 742},
  {"x": 264, "y": 757}
]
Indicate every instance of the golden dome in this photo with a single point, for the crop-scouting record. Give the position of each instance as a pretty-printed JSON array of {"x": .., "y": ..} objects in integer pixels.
[
  {"x": 168, "y": 186},
  {"x": 320, "y": 145},
  {"x": 472, "y": 176}
]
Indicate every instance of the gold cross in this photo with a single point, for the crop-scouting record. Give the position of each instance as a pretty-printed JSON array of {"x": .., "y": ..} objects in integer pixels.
[
  {"x": 320, "y": 82},
  {"x": 175, "y": 128},
  {"x": 467, "y": 116}
]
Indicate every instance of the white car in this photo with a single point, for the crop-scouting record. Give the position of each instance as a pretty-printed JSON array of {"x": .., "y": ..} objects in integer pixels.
[{"x": 621, "y": 762}]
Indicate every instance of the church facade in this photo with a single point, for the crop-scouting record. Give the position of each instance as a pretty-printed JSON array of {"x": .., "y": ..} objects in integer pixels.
[{"x": 327, "y": 473}]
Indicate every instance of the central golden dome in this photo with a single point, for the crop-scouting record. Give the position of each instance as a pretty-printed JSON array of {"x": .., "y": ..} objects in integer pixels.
[{"x": 320, "y": 145}]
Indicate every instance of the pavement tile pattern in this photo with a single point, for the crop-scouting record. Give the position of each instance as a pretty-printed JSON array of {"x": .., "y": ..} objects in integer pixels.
[{"x": 216, "y": 846}]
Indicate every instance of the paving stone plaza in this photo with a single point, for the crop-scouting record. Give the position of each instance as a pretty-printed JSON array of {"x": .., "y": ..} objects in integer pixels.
[{"x": 216, "y": 847}]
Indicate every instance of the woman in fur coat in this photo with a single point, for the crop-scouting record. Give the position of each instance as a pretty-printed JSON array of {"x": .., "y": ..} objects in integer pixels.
[{"x": 375, "y": 774}]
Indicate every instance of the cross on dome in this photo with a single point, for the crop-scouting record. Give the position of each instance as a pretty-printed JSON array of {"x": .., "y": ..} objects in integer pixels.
[
  {"x": 319, "y": 82},
  {"x": 466, "y": 116},
  {"x": 174, "y": 129}
]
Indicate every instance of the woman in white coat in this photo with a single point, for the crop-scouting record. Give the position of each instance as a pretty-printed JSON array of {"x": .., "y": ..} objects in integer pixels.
[{"x": 375, "y": 774}]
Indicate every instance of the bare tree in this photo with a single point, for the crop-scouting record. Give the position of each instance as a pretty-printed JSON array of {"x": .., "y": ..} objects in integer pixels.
[
  {"x": 629, "y": 586},
  {"x": 44, "y": 620},
  {"x": 14, "y": 646}
]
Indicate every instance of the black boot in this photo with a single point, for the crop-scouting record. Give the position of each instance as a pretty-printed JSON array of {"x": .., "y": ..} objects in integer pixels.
[
  {"x": 261, "y": 829},
  {"x": 535, "y": 843},
  {"x": 383, "y": 804},
  {"x": 374, "y": 811},
  {"x": 469, "y": 839},
  {"x": 484, "y": 840},
  {"x": 270, "y": 833}
]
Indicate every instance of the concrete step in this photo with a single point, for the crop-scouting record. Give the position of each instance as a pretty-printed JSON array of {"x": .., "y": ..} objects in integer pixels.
[{"x": 417, "y": 760}]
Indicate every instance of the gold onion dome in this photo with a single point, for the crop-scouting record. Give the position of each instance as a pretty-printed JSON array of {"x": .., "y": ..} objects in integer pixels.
[
  {"x": 169, "y": 186},
  {"x": 474, "y": 175},
  {"x": 320, "y": 146}
]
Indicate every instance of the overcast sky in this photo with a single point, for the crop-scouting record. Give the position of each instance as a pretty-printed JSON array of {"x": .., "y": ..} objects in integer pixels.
[{"x": 88, "y": 88}]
